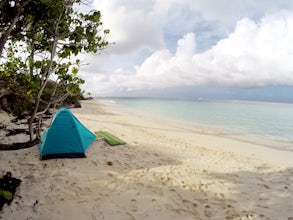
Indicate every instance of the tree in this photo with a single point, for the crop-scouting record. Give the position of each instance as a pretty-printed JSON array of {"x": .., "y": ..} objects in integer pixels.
[
  {"x": 11, "y": 12},
  {"x": 52, "y": 35}
]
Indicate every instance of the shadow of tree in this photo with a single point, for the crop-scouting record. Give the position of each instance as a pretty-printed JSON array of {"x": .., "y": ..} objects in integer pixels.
[
  {"x": 127, "y": 158},
  {"x": 243, "y": 195},
  {"x": 260, "y": 194},
  {"x": 151, "y": 185},
  {"x": 144, "y": 184}
]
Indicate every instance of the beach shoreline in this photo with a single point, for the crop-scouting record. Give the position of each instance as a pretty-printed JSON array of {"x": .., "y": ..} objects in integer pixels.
[
  {"x": 213, "y": 138},
  {"x": 267, "y": 124},
  {"x": 164, "y": 171}
]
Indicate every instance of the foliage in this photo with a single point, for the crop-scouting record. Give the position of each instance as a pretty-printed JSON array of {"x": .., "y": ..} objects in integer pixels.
[
  {"x": 46, "y": 38},
  {"x": 12, "y": 20}
]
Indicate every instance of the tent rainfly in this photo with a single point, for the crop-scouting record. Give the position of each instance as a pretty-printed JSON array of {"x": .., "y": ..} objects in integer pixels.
[{"x": 65, "y": 138}]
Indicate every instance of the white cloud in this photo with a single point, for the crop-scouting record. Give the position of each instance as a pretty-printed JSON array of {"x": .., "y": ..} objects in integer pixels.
[
  {"x": 255, "y": 54},
  {"x": 141, "y": 23},
  {"x": 145, "y": 24},
  {"x": 133, "y": 24},
  {"x": 252, "y": 51}
]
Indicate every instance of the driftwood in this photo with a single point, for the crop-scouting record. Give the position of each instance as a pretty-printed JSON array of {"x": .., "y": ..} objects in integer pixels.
[{"x": 17, "y": 146}]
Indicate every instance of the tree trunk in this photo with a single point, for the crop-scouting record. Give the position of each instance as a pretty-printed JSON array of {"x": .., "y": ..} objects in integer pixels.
[
  {"x": 46, "y": 74},
  {"x": 43, "y": 86}
]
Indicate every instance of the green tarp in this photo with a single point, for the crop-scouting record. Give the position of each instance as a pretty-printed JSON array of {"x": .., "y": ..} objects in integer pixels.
[{"x": 109, "y": 138}]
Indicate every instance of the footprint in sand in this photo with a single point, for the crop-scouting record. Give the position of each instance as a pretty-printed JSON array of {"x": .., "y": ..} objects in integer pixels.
[
  {"x": 250, "y": 216},
  {"x": 133, "y": 205},
  {"x": 231, "y": 212},
  {"x": 171, "y": 208},
  {"x": 203, "y": 187},
  {"x": 93, "y": 217},
  {"x": 207, "y": 211},
  {"x": 190, "y": 205},
  {"x": 156, "y": 205},
  {"x": 94, "y": 163},
  {"x": 155, "y": 190},
  {"x": 175, "y": 196},
  {"x": 220, "y": 195}
]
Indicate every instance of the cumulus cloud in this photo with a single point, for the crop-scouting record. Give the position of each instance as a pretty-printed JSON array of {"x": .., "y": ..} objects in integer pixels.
[
  {"x": 162, "y": 44},
  {"x": 133, "y": 24},
  {"x": 140, "y": 23},
  {"x": 254, "y": 54},
  {"x": 146, "y": 24}
]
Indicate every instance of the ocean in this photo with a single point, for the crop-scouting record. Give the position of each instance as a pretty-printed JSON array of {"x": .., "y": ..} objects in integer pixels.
[{"x": 264, "y": 123}]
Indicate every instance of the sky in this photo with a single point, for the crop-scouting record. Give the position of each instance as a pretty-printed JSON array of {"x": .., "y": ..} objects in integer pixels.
[{"x": 189, "y": 47}]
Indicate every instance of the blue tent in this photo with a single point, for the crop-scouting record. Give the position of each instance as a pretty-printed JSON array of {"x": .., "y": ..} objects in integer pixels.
[{"x": 65, "y": 138}]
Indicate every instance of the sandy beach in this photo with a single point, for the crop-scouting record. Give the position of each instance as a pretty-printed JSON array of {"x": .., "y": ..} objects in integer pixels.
[{"x": 165, "y": 171}]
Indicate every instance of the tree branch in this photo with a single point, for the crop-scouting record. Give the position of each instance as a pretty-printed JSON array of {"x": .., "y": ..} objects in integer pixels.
[{"x": 4, "y": 37}]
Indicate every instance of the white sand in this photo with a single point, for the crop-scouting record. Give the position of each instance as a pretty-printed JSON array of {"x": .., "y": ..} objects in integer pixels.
[{"x": 165, "y": 171}]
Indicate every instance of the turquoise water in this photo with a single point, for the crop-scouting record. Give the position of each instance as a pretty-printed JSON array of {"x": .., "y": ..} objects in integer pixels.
[{"x": 264, "y": 121}]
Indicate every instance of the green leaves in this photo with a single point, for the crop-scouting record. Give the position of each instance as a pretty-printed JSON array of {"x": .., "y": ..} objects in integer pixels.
[
  {"x": 52, "y": 35},
  {"x": 74, "y": 70}
]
